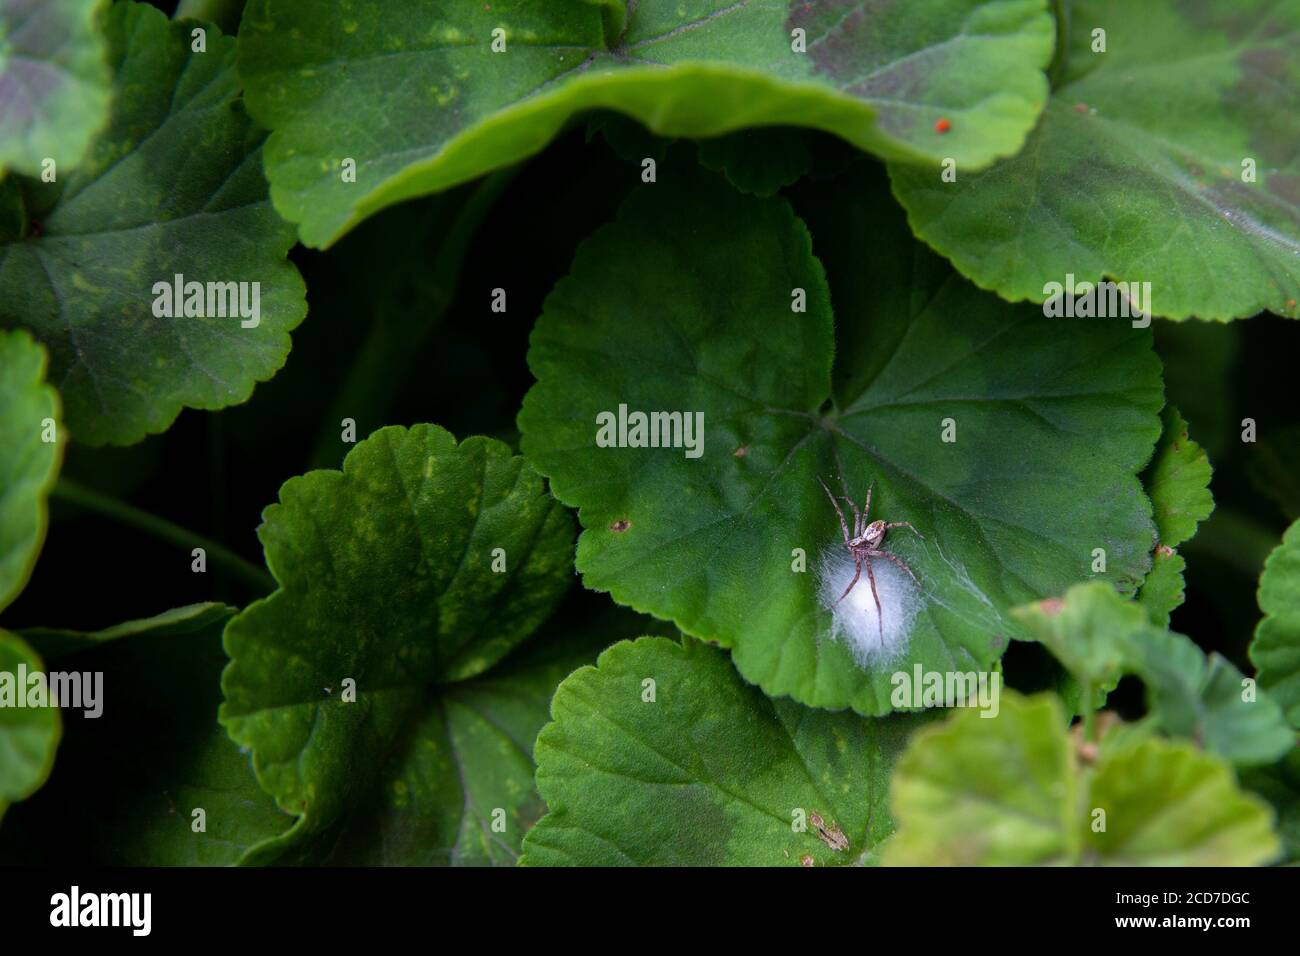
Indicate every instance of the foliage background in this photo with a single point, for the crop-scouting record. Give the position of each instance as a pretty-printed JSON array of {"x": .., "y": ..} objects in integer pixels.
[{"x": 464, "y": 367}]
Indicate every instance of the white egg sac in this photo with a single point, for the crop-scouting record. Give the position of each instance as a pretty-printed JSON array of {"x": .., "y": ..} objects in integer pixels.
[{"x": 873, "y": 638}]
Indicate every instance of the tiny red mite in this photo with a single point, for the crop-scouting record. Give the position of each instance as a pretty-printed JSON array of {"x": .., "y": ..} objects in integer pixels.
[{"x": 942, "y": 126}]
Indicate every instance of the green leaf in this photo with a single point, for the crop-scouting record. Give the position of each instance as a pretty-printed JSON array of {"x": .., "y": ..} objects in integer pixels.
[
  {"x": 491, "y": 722},
  {"x": 758, "y": 161},
  {"x": 495, "y": 718},
  {"x": 763, "y": 161},
  {"x": 163, "y": 688},
  {"x": 699, "y": 768},
  {"x": 1090, "y": 630},
  {"x": 128, "y": 781},
  {"x": 1009, "y": 791},
  {"x": 54, "y": 82},
  {"x": 1178, "y": 481},
  {"x": 330, "y": 83},
  {"x": 28, "y": 735},
  {"x": 173, "y": 186},
  {"x": 1275, "y": 650},
  {"x": 1202, "y": 700},
  {"x": 1280, "y": 786},
  {"x": 224, "y": 13},
  {"x": 628, "y": 139},
  {"x": 417, "y": 567},
  {"x": 1170, "y": 804},
  {"x": 973, "y": 791},
  {"x": 1099, "y": 636},
  {"x": 1135, "y": 171},
  {"x": 29, "y": 412},
  {"x": 1164, "y": 589},
  {"x": 685, "y": 305}
]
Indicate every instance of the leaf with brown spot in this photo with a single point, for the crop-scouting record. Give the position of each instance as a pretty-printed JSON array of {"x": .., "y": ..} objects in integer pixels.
[
  {"x": 876, "y": 73},
  {"x": 1119, "y": 189}
]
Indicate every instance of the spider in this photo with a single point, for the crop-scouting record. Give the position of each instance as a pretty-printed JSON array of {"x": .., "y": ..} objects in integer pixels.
[{"x": 865, "y": 544}]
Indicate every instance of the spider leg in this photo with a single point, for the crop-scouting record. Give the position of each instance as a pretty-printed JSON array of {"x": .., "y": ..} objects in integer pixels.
[
  {"x": 857, "y": 573},
  {"x": 834, "y": 504},
  {"x": 898, "y": 561},
  {"x": 880, "y": 615},
  {"x": 866, "y": 505},
  {"x": 857, "y": 517},
  {"x": 907, "y": 525}
]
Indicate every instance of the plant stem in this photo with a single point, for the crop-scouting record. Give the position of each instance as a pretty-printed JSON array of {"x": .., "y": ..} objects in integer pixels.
[
  {"x": 1089, "y": 714},
  {"x": 224, "y": 13},
  {"x": 74, "y": 493}
]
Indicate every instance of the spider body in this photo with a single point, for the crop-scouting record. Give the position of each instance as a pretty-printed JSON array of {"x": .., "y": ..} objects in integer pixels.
[{"x": 865, "y": 543}]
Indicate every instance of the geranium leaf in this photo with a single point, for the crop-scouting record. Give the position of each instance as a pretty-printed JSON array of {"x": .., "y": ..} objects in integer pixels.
[
  {"x": 1164, "y": 590},
  {"x": 1280, "y": 786},
  {"x": 173, "y": 186},
  {"x": 758, "y": 161},
  {"x": 495, "y": 719},
  {"x": 688, "y": 304},
  {"x": 1170, "y": 804},
  {"x": 626, "y": 138},
  {"x": 763, "y": 161},
  {"x": 418, "y": 566},
  {"x": 1011, "y": 791},
  {"x": 1099, "y": 636},
  {"x": 1089, "y": 630},
  {"x": 651, "y": 760},
  {"x": 1202, "y": 699},
  {"x": 158, "y": 704},
  {"x": 31, "y": 447},
  {"x": 992, "y": 792},
  {"x": 1275, "y": 650},
  {"x": 330, "y": 82},
  {"x": 1168, "y": 158},
  {"x": 28, "y": 735},
  {"x": 1178, "y": 481},
  {"x": 29, "y": 413},
  {"x": 54, "y": 82}
]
